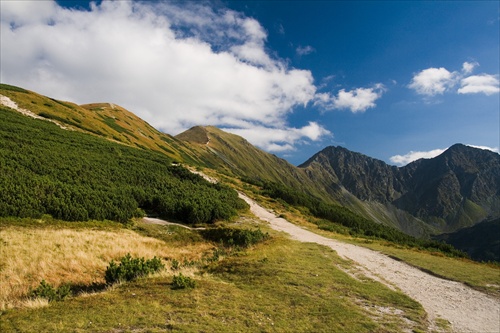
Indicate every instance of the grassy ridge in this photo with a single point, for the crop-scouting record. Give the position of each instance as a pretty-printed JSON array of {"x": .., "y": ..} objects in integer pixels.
[{"x": 103, "y": 119}]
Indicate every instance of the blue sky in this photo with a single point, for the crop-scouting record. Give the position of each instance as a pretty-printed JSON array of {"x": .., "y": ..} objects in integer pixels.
[{"x": 394, "y": 80}]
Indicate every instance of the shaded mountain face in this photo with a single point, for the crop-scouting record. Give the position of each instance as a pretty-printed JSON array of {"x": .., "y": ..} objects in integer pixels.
[
  {"x": 365, "y": 177},
  {"x": 481, "y": 242},
  {"x": 462, "y": 186},
  {"x": 458, "y": 188}
]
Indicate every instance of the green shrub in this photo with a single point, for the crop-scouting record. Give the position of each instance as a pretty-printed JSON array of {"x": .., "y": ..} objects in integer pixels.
[
  {"x": 182, "y": 282},
  {"x": 175, "y": 264},
  {"x": 235, "y": 237},
  {"x": 131, "y": 268},
  {"x": 46, "y": 290}
]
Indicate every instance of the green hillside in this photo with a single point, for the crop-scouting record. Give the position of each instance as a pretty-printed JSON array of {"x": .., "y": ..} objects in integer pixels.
[
  {"x": 75, "y": 176},
  {"x": 233, "y": 155},
  {"x": 102, "y": 119}
]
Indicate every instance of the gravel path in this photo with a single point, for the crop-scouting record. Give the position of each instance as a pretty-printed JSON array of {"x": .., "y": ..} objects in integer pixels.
[
  {"x": 152, "y": 220},
  {"x": 466, "y": 309}
]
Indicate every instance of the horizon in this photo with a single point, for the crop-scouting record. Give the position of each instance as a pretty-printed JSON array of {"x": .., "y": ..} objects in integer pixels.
[{"x": 392, "y": 80}]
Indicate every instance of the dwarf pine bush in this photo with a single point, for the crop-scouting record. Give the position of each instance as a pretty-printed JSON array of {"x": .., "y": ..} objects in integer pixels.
[
  {"x": 235, "y": 237},
  {"x": 182, "y": 282},
  {"x": 47, "y": 291},
  {"x": 131, "y": 268}
]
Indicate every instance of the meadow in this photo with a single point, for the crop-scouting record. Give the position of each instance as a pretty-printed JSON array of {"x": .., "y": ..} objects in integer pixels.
[{"x": 277, "y": 285}]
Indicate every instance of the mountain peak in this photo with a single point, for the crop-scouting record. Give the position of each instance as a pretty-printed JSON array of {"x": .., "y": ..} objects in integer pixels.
[{"x": 196, "y": 134}]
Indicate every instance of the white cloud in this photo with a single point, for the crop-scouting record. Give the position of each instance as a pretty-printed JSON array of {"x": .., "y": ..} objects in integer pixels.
[
  {"x": 304, "y": 50},
  {"x": 433, "y": 81},
  {"x": 468, "y": 67},
  {"x": 283, "y": 139},
  {"x": 483, "y": 83},
  {"x": 174, "y": 64},
  {"x": 356, "y": 100},
  {"x": 401, "y": 160},
  {"x": 415, "y": 155},
  {"x": 19, "y": 13}
]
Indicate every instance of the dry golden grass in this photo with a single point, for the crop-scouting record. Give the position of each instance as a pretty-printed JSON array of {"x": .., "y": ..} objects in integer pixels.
[{"x": 78, "y": 257}]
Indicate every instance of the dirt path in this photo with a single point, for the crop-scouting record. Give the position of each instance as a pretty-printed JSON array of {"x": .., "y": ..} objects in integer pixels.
[{"x": 466, "y": 309}]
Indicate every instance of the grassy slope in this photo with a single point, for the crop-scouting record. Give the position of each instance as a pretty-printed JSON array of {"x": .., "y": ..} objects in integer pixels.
[
  {"x": 278, "y": 286},
  {"x": 103, "y": 119},
  {"x": 235, "y": 156},
  {"x": 481, "y": 276}
]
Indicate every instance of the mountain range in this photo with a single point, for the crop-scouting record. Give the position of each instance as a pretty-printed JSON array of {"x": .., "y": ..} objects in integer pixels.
[
  {"x": 447, "y": 194},
  {"x": 456, "y": 189}
]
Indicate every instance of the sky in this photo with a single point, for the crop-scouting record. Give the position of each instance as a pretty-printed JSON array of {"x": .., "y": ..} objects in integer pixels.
[{"x": 394, "y": 80}]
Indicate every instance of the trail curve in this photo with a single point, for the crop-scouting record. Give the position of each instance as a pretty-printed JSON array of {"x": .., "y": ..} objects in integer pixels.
[{"x": 467, "y": 310}]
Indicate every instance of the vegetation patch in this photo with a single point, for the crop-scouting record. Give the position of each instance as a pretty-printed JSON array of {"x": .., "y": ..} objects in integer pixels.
[
  {"x": 131, "y": 268},
  {"x": 47, "y": 291},
  {"x": 182, "y": 282},
  {"x": 111, "y": 122},
  {"x": 74, "y": 176},
  {"x": 13, "y": 88},
  {"x": 235, "y": 237}
]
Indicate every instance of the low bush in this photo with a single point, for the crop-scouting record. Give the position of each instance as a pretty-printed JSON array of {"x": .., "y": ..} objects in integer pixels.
[
  {"x": 47, "y": 291},
  {"x": 235, "y": 237},
  {"x": 182, "y": 282},
  {"x": 131, "y": 268},
  {"x": 175, "y": 264}
]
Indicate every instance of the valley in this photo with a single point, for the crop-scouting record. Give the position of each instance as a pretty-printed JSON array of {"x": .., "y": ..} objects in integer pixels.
[{"x": 348, "y": 242}]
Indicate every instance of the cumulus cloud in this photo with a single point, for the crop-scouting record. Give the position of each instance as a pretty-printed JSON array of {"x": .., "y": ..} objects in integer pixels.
[
  {"x": 484, "y": 83},
  {"x": 436, "y": 81},
  {"x": 356, "y": 100},
  {"x": 282, "y": 140},
  {"x": 433, "y": 81},
  {"x": 174, "y": 64},
  {"x": 401, "y": 160},
  {"x": 468, "y": 67}
]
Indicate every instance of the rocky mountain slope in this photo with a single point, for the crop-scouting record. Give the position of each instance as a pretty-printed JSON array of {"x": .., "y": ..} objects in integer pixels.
[
  {"x": 456, "y": 189},
  {"x": 481, "y": 241}
]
